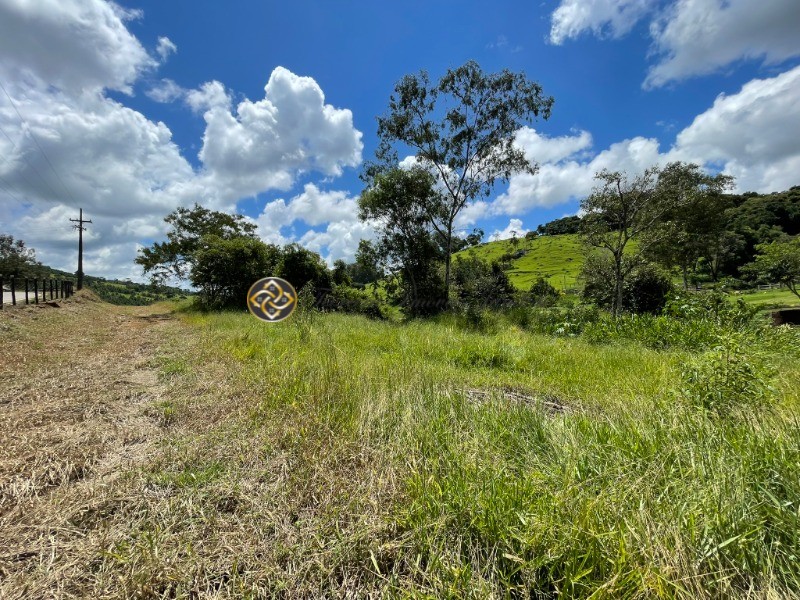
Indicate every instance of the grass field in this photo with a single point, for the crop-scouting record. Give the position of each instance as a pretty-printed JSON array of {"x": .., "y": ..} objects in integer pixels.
[
  {"x": 769, "y": 299},
  {"x": 335, "y": 456},
  {"x": 556, "y": 258}
]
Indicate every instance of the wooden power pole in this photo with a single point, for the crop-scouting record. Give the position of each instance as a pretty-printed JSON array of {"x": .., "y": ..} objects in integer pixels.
[{"x": 80, "y": 221}]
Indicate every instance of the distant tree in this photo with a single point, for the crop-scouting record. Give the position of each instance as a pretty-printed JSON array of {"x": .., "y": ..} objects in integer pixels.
[
  {"x": 514, "y": 239},
  {"x": 474, "y": 238},
  {"x": 176, "y": 257},
  {"x": 16, "y": 259},
  {"x": 760, "y": 219},
  {"x": 531, "y": 235},
  {"x": 542, "y": 293},
  {"x": 562, "y": 226},
  {"x": 462, "y": 129},
  {"x": 695, "y": 226},
  {"x": 777, "y": 262},
  {"x": 340, "y": 274},
  {"x": 622, "y": 209},
  {"x": 300, "y": 266},
  {"x": 367, "y": 266},
  {"x": 645, "y": 288},
  {"x": 619, "y": 210},
  {"x": 224, "y": 269}
]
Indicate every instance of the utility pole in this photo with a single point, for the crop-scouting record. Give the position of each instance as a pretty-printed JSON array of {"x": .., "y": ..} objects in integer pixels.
[{"x": 80, "y": 221}]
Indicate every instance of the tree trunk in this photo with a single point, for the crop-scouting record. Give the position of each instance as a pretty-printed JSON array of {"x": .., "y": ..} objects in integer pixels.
[
  {"x": 447, "y": 265},
  {"x": 685, "y": 278},
  {"x": 617, "y": 304}
]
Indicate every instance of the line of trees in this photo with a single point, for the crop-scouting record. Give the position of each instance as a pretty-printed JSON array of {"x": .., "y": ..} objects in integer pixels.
[{"x": 460, "y": 132}]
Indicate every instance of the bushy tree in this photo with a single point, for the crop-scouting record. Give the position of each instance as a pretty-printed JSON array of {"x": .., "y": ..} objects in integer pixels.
[
  {"x": 481, "y": 284},
  {"x": 176, "y": 257},
  {"x": 645, "y": 289},
  {"x": 560, "y": 226},
  {"x": 777, "y": 262},
  {"x": 366, "y": 267},
  {"x": 399, "y": 202},
  {"x": 17, "y": 259},
  {"x": 224, "y": 269},
  {"x": 300, "y": 266},
  {"x": 542, "y": 293},
  {"x": 694, "y": 229}
]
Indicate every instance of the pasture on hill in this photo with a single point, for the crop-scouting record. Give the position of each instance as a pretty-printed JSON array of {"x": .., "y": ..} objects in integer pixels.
[
  {"x": 154, "y": 452},
  {"x": 557, "y": 258}
]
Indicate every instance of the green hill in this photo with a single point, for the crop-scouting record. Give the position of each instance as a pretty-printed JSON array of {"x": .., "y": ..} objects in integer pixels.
[{"x": 557, "y": 258}]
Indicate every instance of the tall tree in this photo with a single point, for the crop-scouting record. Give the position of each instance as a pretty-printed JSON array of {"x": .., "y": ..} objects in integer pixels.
[
  {"x": 695, "y": 227},
  {"x": 462, "y": 129},
  {"x": 619, "y": 210}
]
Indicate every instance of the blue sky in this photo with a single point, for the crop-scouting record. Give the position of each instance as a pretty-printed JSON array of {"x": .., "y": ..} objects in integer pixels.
[{"x": 132, "y": 109}]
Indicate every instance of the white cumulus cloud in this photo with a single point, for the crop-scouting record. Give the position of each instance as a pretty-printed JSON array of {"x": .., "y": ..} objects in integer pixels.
[
  {"x": 265, "y": 143},
  {"x": 513, "y": 229},
  {"x": 72, "y": 44},
  {"x": 601, "y": 17},
  {"x": 697, "y": 37},
  {"x": 689, "y": 37}
]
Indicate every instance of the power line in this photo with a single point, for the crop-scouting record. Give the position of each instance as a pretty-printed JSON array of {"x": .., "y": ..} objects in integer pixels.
[
  {"x": 30, "y": 164},
  {"x": 33, "y": 137}
]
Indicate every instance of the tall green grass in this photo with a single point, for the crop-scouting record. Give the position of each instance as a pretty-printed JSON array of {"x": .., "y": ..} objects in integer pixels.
[{"x": 416, "y": 486}]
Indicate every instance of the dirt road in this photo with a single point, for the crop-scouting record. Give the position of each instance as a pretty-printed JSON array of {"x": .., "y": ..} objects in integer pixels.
[{"x": 77, "y": 386}]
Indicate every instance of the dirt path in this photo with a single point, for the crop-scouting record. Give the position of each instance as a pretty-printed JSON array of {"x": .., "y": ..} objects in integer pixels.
[{"x": 77, "y": 388}]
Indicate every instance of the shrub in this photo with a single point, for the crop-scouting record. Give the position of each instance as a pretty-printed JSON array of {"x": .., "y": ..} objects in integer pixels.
[
  {"x": 714, "y": 306},
  {"x": 542, "y": 293},
  {"x": 478, "y": 283},
  {"x": 654, "y": 331},
  {"x": 351, "y": 300},
  {"x": 728, "y": 378}
]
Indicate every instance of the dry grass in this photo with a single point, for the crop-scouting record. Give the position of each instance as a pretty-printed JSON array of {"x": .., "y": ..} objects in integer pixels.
[{"x": 75, "y": 383}]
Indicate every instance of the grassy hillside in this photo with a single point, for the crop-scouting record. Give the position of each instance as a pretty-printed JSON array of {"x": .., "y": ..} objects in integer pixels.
[{"x": 557, "y": 258}]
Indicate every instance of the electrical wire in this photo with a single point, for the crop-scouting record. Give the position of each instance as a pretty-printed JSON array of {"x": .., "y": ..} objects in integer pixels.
[{"x": 33, "y": 137}]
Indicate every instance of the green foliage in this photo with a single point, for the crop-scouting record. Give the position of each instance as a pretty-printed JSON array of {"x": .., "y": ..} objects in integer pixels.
[
  {"x": 340, "y": 274},
  {"x": 477, "y": 283},
  {"x": 175, "y": 258},
  {"x": 462, "y": 129},
  {"x": 401, "y": 200},
  {"x": 366, "y": 268},
  {"x": 129, "y": 292},
  {"x": 542, "y": 293},
  {"x": 658, "y": 332},
  {"x": 354, "y": 301},
  {"x": 777, "y": 262},
  {"x": 728, "y": 378},
  {"x": 18, "y": 260},
  {"x": 565, "y": 225},
  {"x": 558, "y": 321},
  {"x": 712, "y": 306},
  {"x": 224, "y": 269},
  {"x": 300, "y": 266},
  {"x": 644, "y": 289}
]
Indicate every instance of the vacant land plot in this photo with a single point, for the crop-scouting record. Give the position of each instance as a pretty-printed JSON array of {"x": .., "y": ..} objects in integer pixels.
[{"x": 152, "y": 455}]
